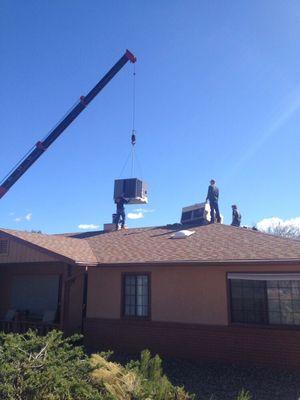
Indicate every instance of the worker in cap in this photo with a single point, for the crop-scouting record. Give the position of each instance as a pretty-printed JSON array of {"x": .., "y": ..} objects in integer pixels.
[
  {"x": 120, "y": 212},
  {"x": 213, "y": 198},
  {"x": 236, "y": 216}
]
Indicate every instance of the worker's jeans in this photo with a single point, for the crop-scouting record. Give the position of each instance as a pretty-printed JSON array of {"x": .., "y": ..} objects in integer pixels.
[
  {"x": 236, "y": 222},
  {"x": 120, "y": 215},
  {"x": 214, "y": 210}
]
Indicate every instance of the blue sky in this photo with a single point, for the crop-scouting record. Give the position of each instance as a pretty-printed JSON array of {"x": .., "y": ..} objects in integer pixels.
[{"x": 217, "y": 96}]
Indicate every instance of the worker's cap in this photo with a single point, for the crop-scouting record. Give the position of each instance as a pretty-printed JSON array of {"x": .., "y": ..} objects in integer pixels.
[
  {"x": 234, "y": 206},
  {"x": 212, "y": 181}
]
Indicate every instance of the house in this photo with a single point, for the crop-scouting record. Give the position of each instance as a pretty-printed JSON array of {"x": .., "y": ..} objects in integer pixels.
[{"x": 221, "y": 294}]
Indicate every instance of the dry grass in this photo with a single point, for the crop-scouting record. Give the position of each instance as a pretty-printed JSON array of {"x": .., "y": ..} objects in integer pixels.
[{"x": 119, "y": 383}]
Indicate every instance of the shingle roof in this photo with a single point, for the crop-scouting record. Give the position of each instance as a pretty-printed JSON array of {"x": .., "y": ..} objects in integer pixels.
[
  {"x": 211, "y": 243},
  {"x": 78, "y": 251}
]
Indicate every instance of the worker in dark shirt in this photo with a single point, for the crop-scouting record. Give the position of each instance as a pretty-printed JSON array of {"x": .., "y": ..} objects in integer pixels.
[
  {"x": 236, "y": 216},
  {"x": 213, "y": 198},
  {"x": 120, "y": 201}
]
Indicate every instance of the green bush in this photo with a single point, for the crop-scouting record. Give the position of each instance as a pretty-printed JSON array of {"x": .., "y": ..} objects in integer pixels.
[
  {"x": 44, "y": 368},
  {"x": 155, "y": 385},
  {"x": 244, "y": 395},
  {"x": 56, "y": 368}
]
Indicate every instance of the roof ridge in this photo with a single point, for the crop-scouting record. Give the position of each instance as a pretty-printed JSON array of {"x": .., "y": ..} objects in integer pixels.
[{"x": 257, "y": 231}]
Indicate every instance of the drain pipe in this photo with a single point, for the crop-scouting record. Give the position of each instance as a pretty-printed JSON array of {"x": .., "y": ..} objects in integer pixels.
[{"x": 84, "y": 298}]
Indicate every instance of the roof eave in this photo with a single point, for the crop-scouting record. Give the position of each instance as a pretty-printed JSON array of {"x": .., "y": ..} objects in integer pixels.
[{"x": 201, "y": 262}]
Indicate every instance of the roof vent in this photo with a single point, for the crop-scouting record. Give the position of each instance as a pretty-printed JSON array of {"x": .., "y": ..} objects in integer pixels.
[
  {"x": 109, "y": 227},
  {"x": 182, "y": 234},
  {"x": 4, "y": 246}
]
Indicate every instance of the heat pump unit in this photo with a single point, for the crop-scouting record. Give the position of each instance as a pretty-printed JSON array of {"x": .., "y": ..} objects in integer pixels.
[
  {"x": 196, "y": 214},
  {"x": 134, "y": 190}
]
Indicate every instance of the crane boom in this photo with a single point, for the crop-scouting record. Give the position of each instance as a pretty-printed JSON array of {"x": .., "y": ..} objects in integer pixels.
[{"x": 41, "y": 146}]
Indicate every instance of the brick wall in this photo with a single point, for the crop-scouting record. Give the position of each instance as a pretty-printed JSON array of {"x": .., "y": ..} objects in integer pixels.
[{"x": 278, "y": 348}]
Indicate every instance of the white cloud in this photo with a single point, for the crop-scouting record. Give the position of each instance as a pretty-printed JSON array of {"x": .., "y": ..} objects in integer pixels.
[
  {"x": 270, "y": 223},
  {"x": 88, "y": 226},
  {"x": 28, "y": 217},
  {"x": 137, "y": 215},
  {"x": 143, "y": 210}
]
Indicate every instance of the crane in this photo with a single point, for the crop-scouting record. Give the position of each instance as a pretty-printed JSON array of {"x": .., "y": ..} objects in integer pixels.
[{"x": 43, "y": 145}]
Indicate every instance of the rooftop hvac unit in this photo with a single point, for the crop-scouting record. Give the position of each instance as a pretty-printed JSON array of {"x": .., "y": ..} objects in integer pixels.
[
  {"x": 196, "y": 214},
  {"x": 133, "y": 190}
]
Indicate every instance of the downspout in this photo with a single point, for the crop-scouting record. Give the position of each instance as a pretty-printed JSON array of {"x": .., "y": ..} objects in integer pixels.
[{"x": 84, "y": 298}]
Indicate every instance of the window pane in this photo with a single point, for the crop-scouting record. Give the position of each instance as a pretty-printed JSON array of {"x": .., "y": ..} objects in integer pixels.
[
  {"x": 285, "y": 294},
  {"x": 296, "y": 306},
  {"x": 285, "y": 308},
  {"x": 297, "y": 318},
  {"x": 136, "y": 295},
  {"x": 273, "y": 293},
  {"x": 295, "y": 292},
  {"x": 248, "y": 301},
  {"x": 130, "y": 280},
  {"x": 272, "y": 284},
  {"x": 274, "y": 305},
  {"x": 236, "y": 292},
  {"x": 287, "y": 318},
  {"x": 274, "y": 318},
  {"x": 259, "y": 292},
  {"x": 285, "y": 284}
]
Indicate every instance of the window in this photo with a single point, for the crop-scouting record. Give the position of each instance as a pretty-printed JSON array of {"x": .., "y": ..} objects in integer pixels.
[
  {"x": 3, "y": 246},
  {"x": 268, "y": 300},
  {"x": 136, "y": 295},
  {"x": 35, "y": 294}
]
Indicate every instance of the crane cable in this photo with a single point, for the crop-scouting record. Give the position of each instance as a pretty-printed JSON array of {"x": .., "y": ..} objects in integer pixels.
[{"x": 133, "y": 132}]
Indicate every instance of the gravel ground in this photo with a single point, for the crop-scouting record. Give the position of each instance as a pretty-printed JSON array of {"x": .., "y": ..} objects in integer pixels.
[{"x": 223, "y": 382}]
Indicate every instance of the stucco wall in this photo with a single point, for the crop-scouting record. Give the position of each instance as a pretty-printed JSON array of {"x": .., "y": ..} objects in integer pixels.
[
  {"x": 187, "y": 294},
  {"x": 75, "y": 289}
]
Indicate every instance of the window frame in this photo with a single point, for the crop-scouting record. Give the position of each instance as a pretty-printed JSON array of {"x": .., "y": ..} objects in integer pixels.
[
  {"x": 135, "y": 317},
  {"x": 8, "y": 244},
  {"x": 255, "y": 325}
]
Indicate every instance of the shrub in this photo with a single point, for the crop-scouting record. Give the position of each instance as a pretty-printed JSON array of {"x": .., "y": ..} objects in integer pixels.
[
  {"x": 56, "y": 368},
  {"x": 244, "y": 395},
  {"x": 154, "y": 384},
  {"x": 44, "y": 368}
]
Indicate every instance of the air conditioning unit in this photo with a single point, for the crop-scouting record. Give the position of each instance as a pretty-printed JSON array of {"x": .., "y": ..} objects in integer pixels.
[
  {"x": 196, "y": 214},
  {"x": 134, "y": 190}
]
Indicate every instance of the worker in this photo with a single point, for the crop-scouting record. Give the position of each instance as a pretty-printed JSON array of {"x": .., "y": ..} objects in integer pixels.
[
  {"x": 236, "y": 216},
  {"x": 120, "y": 201},
  {"x": 213, "y": 198}
]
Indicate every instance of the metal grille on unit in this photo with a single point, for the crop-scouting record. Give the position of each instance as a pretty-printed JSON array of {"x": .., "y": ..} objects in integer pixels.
[
  {"x": 196, "y": 214},
  {"x": 134, "y": 190}
]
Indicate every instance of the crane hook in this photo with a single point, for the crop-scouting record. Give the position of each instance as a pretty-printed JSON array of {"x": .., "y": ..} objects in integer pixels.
[{"x": 133, "y": 138}]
